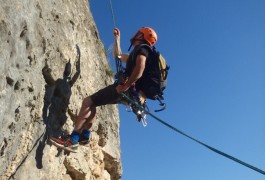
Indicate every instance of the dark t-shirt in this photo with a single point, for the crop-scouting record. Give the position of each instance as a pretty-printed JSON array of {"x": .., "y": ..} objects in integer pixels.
[{"x": 131, "y": 62}]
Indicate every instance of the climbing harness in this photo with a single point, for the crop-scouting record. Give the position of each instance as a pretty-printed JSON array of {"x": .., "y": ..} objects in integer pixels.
[{"x": 142, "y": 111}]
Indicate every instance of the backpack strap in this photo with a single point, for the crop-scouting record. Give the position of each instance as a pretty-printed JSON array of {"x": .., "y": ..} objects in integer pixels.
[{"x": 164, "y": 105}]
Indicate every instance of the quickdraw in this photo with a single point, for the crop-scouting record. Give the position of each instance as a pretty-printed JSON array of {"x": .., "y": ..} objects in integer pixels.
[{"x": 134, "y": 107}]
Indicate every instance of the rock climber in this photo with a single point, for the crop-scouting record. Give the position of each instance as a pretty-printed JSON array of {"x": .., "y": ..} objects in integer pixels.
[{"x": 135, "y": 67}]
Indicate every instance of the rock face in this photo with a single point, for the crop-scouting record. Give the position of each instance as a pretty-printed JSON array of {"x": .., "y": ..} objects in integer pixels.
[{"x": 38, "y": 96}]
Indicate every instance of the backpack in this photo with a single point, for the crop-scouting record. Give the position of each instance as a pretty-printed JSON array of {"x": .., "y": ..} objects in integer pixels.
[{"x": 154, "y": 79}]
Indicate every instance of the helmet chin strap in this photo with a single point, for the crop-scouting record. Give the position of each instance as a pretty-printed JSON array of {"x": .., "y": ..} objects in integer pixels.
[
  {"x": 130, "y": 47},
  {"x": 132, "y": 41}
]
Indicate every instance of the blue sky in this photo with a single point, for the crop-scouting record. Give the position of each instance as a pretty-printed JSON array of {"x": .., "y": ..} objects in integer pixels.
[{"x": 215, "y": 92}]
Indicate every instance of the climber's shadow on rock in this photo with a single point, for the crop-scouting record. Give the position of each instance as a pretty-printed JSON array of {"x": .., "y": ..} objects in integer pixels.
[{"x": 56, "y": 101}]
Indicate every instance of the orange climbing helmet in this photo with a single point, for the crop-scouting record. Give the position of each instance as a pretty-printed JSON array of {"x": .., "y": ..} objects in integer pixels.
[{"x": 147, "y": 34}]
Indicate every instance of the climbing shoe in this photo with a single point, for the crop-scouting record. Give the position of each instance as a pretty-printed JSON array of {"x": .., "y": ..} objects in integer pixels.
[
  {"x": 83, "y": 141},
  {"x": 64, "y": 143},
  {"x": 84, "y": 138}
]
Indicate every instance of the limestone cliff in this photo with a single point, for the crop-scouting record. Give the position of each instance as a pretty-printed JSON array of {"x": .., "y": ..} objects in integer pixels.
[{"x": 37, "y": 40}]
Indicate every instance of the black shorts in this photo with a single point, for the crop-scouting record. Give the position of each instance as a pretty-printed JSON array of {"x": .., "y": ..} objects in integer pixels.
[{"x": 107, "y": 95}]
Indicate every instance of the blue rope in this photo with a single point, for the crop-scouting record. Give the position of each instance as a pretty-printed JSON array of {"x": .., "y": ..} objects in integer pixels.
[{"x": 203, "y": 144}]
